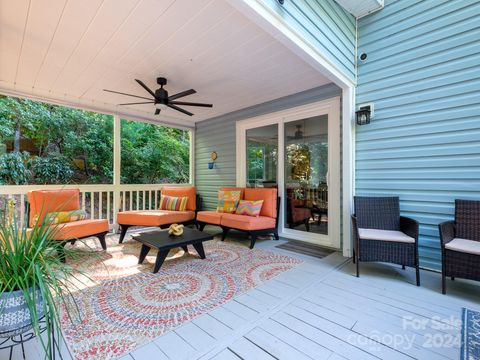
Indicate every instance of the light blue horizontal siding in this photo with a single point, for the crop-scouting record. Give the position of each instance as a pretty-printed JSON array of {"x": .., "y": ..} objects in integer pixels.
[
  {"x": 423, "y": 75},
  {"x": 326, "y": 25},
  {"x": 218, "y": 134}
]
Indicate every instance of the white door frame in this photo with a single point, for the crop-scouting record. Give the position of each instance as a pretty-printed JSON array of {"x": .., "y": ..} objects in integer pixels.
[{"x": 329, "y": 107}]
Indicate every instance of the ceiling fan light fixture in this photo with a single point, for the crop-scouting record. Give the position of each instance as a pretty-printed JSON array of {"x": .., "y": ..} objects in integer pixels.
[{"x": 160, "y": 106}]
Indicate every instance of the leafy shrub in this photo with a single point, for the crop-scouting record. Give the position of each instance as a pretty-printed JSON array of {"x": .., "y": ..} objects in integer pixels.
[
  {"x": 15, "y": 168},
  {"x": 54, "y": 169}
]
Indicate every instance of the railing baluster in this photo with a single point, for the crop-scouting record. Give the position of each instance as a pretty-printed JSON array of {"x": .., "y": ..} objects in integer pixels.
[
  {"x": 100, "y": 205},
  {"x": 83, "y": 200},
  {"x": 143, "y": 199},
  {"x": 137, "y": 192},
  {"x": 22, "y": 209},
  {"x": 156, "y": 199},
  {"x": 124, "y": 195},
  {"x": 92, "y": 203},
  {"x": 108, "y": 206},
  {"x": 131, "y": 200}
]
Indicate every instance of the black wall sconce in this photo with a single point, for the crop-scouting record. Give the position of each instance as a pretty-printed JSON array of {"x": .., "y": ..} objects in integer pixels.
[{"x": 364, "y": 114}]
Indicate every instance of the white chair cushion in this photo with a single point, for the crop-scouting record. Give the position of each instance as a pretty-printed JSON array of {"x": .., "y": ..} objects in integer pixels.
[
  {"x": 464, "y": 245},
  {"x": 384, "y": 235}
]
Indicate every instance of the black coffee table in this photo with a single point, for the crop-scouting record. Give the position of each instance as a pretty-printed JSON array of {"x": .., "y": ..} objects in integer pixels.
[{"x": 160, "y": 240}]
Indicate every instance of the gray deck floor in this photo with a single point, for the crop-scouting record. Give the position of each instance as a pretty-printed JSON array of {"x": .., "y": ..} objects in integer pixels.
[{"x": 319, "y": 310}]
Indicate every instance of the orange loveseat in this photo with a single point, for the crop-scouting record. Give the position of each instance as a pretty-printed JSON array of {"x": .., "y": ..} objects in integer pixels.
[
  {"x": 265, "y": 224},
  {"x": 161, "y": 218},
  {"x": 48, "y": 201}
]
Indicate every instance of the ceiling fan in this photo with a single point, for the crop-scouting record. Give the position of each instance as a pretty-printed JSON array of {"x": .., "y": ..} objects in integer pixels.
[
  {"x": 161, "y": 98},
  {"x": 298, "y": 133}
]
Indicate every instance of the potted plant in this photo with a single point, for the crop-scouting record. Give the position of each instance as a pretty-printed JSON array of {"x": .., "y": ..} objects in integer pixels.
[{"x": 34, "y": 283}]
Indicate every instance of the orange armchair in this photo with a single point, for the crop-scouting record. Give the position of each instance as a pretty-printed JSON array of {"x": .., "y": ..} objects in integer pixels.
[
  {"x": 47, "y": 201},
  {"x": 161, "y": 218}
]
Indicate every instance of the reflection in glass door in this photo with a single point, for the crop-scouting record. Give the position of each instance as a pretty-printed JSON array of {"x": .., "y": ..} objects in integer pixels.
[
  {"x": 262, "y": 155},
  {"x": 306, "y": 174}
]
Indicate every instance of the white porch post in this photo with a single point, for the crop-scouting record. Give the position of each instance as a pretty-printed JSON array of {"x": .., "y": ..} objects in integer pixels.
[
  {"x": 116, "y": 169},
  {"x": 348, "y": 152}
]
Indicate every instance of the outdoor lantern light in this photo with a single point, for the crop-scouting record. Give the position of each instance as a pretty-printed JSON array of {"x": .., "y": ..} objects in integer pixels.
[{"x": 363, "y": 115}]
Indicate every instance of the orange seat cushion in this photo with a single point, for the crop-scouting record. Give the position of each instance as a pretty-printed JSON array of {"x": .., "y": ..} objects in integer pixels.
[
  {"x": 154, "y": 217},
  {"x": 189, "y": 192},
  {"x": 269, "y": 197},
  {"x": 80, "y": 229},
  {"x": 43, "y": 201},
  {"x": 247, "y": 223},
  {"x": 210, "y": 217}
]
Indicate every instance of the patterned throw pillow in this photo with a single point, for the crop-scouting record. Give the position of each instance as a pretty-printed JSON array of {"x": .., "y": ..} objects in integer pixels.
[
  {"x": 228, "y": 201},
  {"x": 61, "y": 217},
  {"x": 173, "y": 203},
  {"x": 249, "y": 207}
]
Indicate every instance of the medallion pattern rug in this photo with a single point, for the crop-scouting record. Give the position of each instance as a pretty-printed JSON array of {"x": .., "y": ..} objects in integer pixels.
[
  {"x": 470, "y": 335},
  {"x": 125, "y": 305}
]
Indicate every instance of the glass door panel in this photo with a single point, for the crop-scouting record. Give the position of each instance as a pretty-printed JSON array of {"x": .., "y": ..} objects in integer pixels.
[
  {"x": 306, "y": 175},
  {"x": 262, "y": 156}
]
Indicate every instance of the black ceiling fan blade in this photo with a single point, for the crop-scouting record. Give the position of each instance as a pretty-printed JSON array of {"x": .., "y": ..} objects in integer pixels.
[
  {"x": 157, "y": 111},
  {"x": 182, "y": 94},
  {"x": 180, "y": 109},
  {"x": 138, "y": 103},
  {"x": 117, "y": 92},
  {"x": 140, "y": 82},
  {"x": 190, "y": 104}
]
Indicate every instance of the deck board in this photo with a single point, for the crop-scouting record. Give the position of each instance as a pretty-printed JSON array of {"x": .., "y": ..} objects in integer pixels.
[
  {"x": 212, "y": 326},
  {"x": 298, "y": 341},
  {"x": 245, "y": 349},
  {"x": 274, "y": 346}
]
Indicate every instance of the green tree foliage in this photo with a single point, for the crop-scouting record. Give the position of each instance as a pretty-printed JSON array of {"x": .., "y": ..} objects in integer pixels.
[
  {"x": 74, "y": 146},
  {"x": 54, "y": 169},
  {"x": 14, "y": 168},
  {"x": 154, "y": 154}
]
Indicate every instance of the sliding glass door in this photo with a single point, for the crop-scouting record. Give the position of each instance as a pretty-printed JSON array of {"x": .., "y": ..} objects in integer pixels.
[
  {"x": 306, "y": 174},
  {"x": 297, "y": 151},
  {"x": 262, "y": 155}
]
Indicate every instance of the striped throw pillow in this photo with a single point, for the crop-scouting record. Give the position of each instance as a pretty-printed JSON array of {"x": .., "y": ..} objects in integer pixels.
[
  {"x": 228, "y": 201},
  {"x": 173, "y": 203},
  {"x": 249, "y": 207}
]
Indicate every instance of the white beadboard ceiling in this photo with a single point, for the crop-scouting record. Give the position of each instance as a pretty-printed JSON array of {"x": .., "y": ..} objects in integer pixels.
[
  {"x": 69, "y": 50},
  {"x": 359, "y": 8}
]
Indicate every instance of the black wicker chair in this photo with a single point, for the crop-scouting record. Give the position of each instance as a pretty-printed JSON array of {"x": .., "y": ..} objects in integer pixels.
[
  {"x": 381, "y": 234},
  {"x": 460, "y": 242}
]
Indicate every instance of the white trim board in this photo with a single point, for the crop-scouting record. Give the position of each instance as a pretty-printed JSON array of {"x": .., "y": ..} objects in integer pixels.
[
  {"x": 271, "y": 21},
  {"x": 329, "y": 107}
]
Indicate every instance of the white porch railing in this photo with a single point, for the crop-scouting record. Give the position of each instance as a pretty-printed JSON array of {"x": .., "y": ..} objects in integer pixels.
[{"x": 99, "y": 201}]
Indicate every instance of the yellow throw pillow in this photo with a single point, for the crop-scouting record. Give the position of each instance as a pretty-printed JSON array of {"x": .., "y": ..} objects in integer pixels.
[
  {"x": 61, "y": 217},
  {"x": 228, "y": 201}
]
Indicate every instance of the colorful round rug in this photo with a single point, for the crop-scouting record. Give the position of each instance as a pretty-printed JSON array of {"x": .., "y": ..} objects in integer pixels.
[{"x": 126, "y": 305}]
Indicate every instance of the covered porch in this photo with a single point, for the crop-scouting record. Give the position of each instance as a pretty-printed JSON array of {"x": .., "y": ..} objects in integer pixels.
[{"x": 282, "y": 78}]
